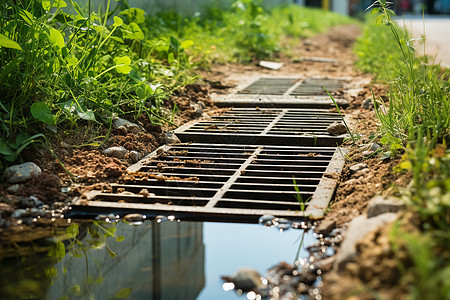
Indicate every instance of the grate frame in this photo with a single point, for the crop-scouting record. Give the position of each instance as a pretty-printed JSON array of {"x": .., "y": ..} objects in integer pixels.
[
  {"x": 260, "y": 93},
  {"x": 270, "y": 126},
  {"x": 240, "y": 191}
]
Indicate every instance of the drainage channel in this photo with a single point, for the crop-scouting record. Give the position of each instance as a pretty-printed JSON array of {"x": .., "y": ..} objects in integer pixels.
[
  {"x": 286, "y": 93},
  {"x": 223, "y": 183},
  {"x": 307, "y": 127}
]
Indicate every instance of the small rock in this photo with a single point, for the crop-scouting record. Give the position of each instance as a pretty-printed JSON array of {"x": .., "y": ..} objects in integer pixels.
[
  {"x": 367, "y": 152},
  {"x": 358, "y": 229},
  {"x": 245, "y": 279},
  {"x": 198, "y": 110},
  {"x": 130, "y": 126},
  {"x": 32, "y": 201},
  {"x": 325, "y": 227},
  {"x": 266, "y": 220},
  {"x": 357, "y": 167},
  {"x": 13, "y": 189},
  {"x": 170, "y": 138},
  {"x": 118, "y": 152},
  {"x": 18, "y": 213},
  {"x": 379, "y": 205},
  {"x": 202, "y": 104},
  {"x": 21, "y": 173},
  {"x": 368, "y": 103},
  {"x": 134, "y": 156},
  {"x": 374, "y": 146},
  {"x": 336, "y": 128},
  {"x": 134, "y": 217}
]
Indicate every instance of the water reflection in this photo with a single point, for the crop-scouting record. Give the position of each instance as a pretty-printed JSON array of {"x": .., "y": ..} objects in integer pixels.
[{"x": 166, "y": 260}]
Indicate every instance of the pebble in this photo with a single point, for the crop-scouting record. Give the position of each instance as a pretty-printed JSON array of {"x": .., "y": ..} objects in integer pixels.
[
  {"x": 134, "y": 156},
  {"x": 13, "y": 189},
  {"x": 266, "y": 220},
  {"x": 170, "y": 138},
  {"x": 326, "y": 227},
  {"x": 18, "y": 213},
  {"x": 245, "y": 279},
  {"x": 129, "y": 126},
  {"x": 21, "y": 173},
  {"x": 379, "y": 205},
  {"x": 367, "y": 152},
  {"x": 198, "y": 110},
  {"x": 368, "y": 103},
  {"x": 32, "y": 201},
  {"x": 374, "y": 146},
  {"x": 134, "y": 218},
  {"x": 117, "y": 152},
  {"x": 358, "y": 167},
  {"x": 336, "y": 128}
]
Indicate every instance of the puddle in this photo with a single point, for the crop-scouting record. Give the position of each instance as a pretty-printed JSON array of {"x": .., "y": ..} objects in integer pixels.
[{"x": 165, "y": 260}]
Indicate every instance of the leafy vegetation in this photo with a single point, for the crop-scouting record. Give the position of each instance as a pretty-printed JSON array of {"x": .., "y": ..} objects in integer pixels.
[
  {"x": 63, "y": 66},
  {"x": 416, "y": 123}
]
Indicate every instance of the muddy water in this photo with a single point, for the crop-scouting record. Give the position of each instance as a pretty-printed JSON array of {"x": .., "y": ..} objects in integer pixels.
[{"x": 168, "y": 260}]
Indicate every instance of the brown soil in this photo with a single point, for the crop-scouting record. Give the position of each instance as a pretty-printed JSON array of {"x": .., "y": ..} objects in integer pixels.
[{"x": 90, "y": 166}]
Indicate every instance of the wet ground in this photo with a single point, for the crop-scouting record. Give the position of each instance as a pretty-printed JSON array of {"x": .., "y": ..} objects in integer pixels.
[{"x": 167, "y": 260}]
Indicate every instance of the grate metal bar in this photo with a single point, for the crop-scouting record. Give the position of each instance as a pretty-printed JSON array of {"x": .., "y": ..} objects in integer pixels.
[
  {"x": 280, "y": 127},
  {"x": 222, "y": 188}
]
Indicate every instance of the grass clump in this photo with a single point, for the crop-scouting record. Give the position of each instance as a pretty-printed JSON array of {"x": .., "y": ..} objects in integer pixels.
[{"x": 415, "y": 122}]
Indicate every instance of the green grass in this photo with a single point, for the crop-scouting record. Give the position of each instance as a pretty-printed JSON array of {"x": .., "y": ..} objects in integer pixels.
[
  {"x": 415, "y": 122},
  {"x": 63, "y": 66}
]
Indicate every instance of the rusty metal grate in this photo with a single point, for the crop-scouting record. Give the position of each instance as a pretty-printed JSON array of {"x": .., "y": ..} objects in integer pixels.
[
  {"x": 264, "y": 126},
  {"x": 223, "y": 182},
  {"x": 269, "y": 86},
  {"x": 314, "y": 86}
]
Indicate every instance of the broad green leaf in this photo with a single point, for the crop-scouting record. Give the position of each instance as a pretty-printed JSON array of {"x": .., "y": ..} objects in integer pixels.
[
  {"x": 56, "y": 38},
  {"x": 110, "y": 231},
  {"x": 123, "y": 293},
  {"x": 71, "y": 61},
  {"x": 375, "y": 10},
  {"x": 120, "y": 238},
  {"x": 406, "y": 165},
  {"x": 135, "y": 15},
  {"x": 174, "y": 44},
  {"x": 47, "y": 4},
  {"x": 187, "y": 44},
  {"x": 123, "y": 64},
  {"x": 379, "y": 20},
  {"x": 117, "y": 21},
  {"x": 134, "y": 32},
  {"x": 170, "y": 58},
  {"x": 72, "y": 231},
  {"x": 5, "y": 149},
  {"x": 117, "y": 39},
  {"x": 41, "y": 112},
  {"x": 87, "y": 115},
  {"x": 8, "y": 43}
]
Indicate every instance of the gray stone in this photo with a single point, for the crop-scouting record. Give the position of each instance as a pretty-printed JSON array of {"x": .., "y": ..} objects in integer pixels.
[
  {"x": 336, "y": 128},
  {"x": 374, "y": 146},
  {"x": 367, "y": 152},
  {"x": 379, "y": 205},
  {"x": 21, "y": 173},
  {"x": 245, "y": 279},
  {"x": 325, "y": 227},
  {"x": 18, "y": 213},
  {"x": 118, "y": 152},
  {"x": 134, "y": 156},
  {"x": 358, "y": 229},
  {"x": 198, "y": 110},
  {"x": 170, "y": 138},
  {"x": 368, "y": 103},
  {"x": 13, "y": 189},
  {"x": 357, "y": 167},
  {"x": 130, "y": 126}
]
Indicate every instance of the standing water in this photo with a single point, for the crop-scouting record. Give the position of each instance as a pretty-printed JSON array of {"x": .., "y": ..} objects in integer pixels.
[{"x": 155, "y": 260}]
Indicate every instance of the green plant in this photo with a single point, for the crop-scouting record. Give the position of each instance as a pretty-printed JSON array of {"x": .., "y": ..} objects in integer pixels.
[
  {"x": 353, "y": 137},
  {"x": 299, "y": 196}
]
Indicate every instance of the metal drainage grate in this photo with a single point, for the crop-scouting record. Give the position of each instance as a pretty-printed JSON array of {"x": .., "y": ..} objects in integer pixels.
[
  {"x": 264, "y": 126},
  {"x": 269, "y": 86},
  {"x": 314, "y": 86},
  {"x": 224, "y": 182}
]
